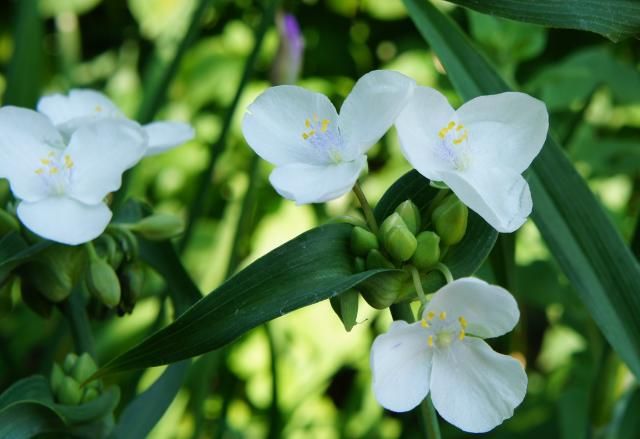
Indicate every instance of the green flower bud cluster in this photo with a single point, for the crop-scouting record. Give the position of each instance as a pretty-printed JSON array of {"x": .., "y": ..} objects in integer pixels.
[
  {"x": 67, "y": 380},
  {"x": 406, "y": 238}
]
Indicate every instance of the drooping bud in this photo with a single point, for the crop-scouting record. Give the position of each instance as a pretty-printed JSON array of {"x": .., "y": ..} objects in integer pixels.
[
  {"x": 346, "y": 307},
  {"x": 83, "y": 368},
  {"x": 102, "y": 282},
  {"x": 127, "y": 242},
  {"x": 131, "y": 278},
  {"x": 362, "y": 241},
  {"x": 159, "y": 226},
  {"x": 69, "y": 392},
  {"x": 450, "y": 220},
  {"x": 428, "y": 250},
  {"x": 107, "y": 247},
  {"x": 57, "y": 375},
  {"x": 410, "y": 214},
  {"x": 400, "y": 243},
  {"x": 8, "y": 223},
  {"x": 55, "y": 271}
]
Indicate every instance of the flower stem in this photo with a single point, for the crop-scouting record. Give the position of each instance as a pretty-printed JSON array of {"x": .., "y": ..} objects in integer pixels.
[
  {"x": 445, "y": 271},
  {"x": 417, "y": 284},
  {"x": 366, "y": 208},
  {"x": 74, "y": 312}
]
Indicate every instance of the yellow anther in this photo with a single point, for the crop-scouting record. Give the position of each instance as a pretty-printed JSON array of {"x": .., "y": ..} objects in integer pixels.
[
  {"x": 463, "y": 322},
  {"x": 430, "y": 341},
  {"x": 45, "y": 161},
  {"x": 39, "y": 171},
  {"x": 307, "y": 123},
  {"x": 430, "y": 315},
  {"x": 68, "y": 162},
  {"x": 424, "y": 323},
  {"x": 459, "y": 127},
  {"x": 98, "y": 108},
  {"x": 442, "y": 133},
  {"x": 53, "y": 170},
  {"x": 451, "y": 124},
  {"x": 443, "y": 315},
  {"x": 460, "y": 139},
  {"x": 461, "y": 335},
  {"x": 325, "y": 125},
  {"x": 305, "y": 136}
]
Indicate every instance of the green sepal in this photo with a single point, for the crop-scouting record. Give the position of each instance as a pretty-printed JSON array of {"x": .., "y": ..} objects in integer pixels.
[
  {"x": 102, "y": 282},
  {"x": 83, "y": 368},
  {"x": 427, "y": 253},
  {"x": 410, "y": 214},
  {"x": 346, "y": 308},
  {"x": 69, "y": 392},
  {"x": 362, "y": 241},
  {"x": 450, "y": 220}
]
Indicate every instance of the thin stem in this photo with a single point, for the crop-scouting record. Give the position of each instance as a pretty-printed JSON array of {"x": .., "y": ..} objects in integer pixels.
[
  {"x": 75, "y": 313},
  {"x": 204, "y": 180},
  {"x": 366, "y": 208},
  {"x": 417, "y": 284},
  {"x": 275, "y": 418},
  {"x": 445, "y": 271}
]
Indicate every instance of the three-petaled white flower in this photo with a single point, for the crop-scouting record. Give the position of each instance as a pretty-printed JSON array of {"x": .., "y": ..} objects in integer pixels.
[
  {"x": 80, "y": 107},
  {"x": 319, "y": 154},
  {"x": 479, "y": 151},
  {"x": 472, "y": 386},
  {"x": 61, "y": 183}
]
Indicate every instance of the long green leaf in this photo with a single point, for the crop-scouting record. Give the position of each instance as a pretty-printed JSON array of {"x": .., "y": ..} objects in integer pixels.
[
  {"x": 578, "y": 232},
  {"x": 615, "y": 19}
]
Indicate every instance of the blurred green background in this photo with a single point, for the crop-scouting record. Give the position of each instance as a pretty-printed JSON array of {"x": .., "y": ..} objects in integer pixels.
[{"x": 578, "y": 388}]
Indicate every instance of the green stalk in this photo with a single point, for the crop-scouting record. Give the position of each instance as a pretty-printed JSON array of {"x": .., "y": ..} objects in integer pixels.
[
  {"x": 204, "y": 180},
  {"x": 366, "y": 208},
  {"x": 75, "y": 313},
  {"x": 275, "y": 418}
]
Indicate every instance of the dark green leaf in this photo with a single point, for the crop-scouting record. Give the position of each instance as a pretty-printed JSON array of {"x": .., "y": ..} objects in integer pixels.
[
  {"x": 578, "y": 232},
  {"x": 14, "y": 251},
  {"x": 615, "y": 19}
]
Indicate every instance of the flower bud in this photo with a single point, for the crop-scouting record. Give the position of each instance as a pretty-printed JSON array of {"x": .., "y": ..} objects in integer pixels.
[
  {"x": 107, "y": 247},
  {"x": 69, "y": 363},
  {"x": 69, "y": 392},
  {"x": 410, "y": 214},
  {"x": 381, "y": 290},
  {"x": 8, "y": 223},
  {"x": 159, "y": 226},
  {"x": 89, "y": 394},
  {"x": 131, "y": 278},
  {"x": 57, "y": 375},
  {"x": 288, "y": 60},
  {"x": 83, "y": 368},
  {"x": 400, "y": 243},
  {"x": 346, "y": 307},
  {"x": 428, "y": 250},
  {"x": 391, "y": 221},
  {"x": 450, "y": 220},
  {"x": 55, "y": 271},
  {"x": 127, "y": 242},
  {"x": 362, "y": 241},
  {"x": 102, "y": 282}
]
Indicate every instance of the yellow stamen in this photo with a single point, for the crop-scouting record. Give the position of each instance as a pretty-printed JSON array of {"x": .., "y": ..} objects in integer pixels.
[
  {"x": 307, "y": 123},
  {"x": 459, "y": 127},
  {"x": 39, "y": 171},
  {"x": 460, "y": 139},
  {"x": 451, "y": 124},
  {"x": 430, "y": 341},
  {"x": 53, "y": 170},
  {"x": 463, "y": 322},
  {"x": 443, "y": 315},
  {"x": 461, "y": 335},
  {"x": 68, "y": 162},
  {"x": 45, "y": 161},
  {"x": 430, "y": 315},
  {"x": 424, "y": 323},
  {"x": 325, "y": 125}
]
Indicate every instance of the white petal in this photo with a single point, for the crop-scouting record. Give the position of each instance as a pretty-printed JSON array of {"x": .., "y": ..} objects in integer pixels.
[
  {"x": 26, "y": 137},
  {"x": 372, "y": 107},
  {"x": 499, "y": 195},
  {"x": 166, "y": 135},
  {"x": 474, "y": 387},
  {"x": 101, "y": 152},
  {"x": 65, "y": 220},
  {"x": 275, "y": 121},
  {"x": 305, "y": 184},
  {"x": 427, "y": 112},
  {"x": 507, "y": 129},
  {"x": 489, "y": 310},
  {"x": 78, "y": 108},
  {"x": 401, "y": 366}
]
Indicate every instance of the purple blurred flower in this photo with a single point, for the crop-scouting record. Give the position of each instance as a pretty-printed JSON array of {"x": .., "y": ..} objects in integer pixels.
[{"x": 288, "y": 61}]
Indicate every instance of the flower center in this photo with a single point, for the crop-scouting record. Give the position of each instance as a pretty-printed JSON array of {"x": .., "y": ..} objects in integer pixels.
[
  {"x": 323, "y": 137},
  {"x": 443, "y": 331},
  {"x": 56, "y": 172},
  {"x": 454, "y": 146}
]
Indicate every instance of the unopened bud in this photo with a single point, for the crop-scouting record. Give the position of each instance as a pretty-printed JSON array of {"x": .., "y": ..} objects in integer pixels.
[
  {"x": 8, "y": 223},
  {"x": 391, "y": 221},
  {"x": 90, "y": 394},
  {"x": 54, "y": 272},
  {"x": 410, "y": 214},
  {"x": 131, "y": 278},
  {"x": 69, "y": 392},
  {"x": 346, "y": 307},
  {"x": 102, "y": 282},
  {"x": 159, "y": 226},
  {"x": 69, "y": 363},
  {"x": 375, "y": 259},
  {"x": 450, "y": 220},
  {"x": 428, "y": 250},
  {"x": 359, "y": 265},
  {"x": 57, "y": 376},
  {"x": 362, "y": 241},
  {"x": 84, "y": 368},
  {"x": 400, "y": 243},
  {"x": 127, "y": 242},
  {"x": 107, "y": 247}
]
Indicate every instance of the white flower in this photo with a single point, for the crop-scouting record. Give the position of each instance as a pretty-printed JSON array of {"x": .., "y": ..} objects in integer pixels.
[
  {"x": 61, "y": 184},
  {"x": 80, "y": 107},
  {"x": 479, "y": 151},
  {"x": 319, "y": 154},
  {"x": 472, "y": 387}
]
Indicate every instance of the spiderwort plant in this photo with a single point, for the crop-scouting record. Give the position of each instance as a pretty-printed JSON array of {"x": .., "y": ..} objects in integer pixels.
[
  {"x": 479, "y": 151},
  {"x": 319, "y": 153}
]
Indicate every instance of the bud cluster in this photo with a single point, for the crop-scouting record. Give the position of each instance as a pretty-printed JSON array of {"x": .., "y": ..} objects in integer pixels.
[
  {"x": 406, "y": 237},
  {"x": 67, "y": 380}
]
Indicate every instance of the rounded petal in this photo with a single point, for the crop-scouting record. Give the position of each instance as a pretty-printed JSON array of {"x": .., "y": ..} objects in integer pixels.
[
  {"x": 426, "y": 113},
  {"x": 401, "y": 366},
  {"x": 101, "y": 152},
  {"x": 474, "y": 387},
  {"x": 26, "y": 138},
  {"x": 276, "y": 121},
  {"x": 506, "y": 129},
  {"x": 77, "y": 108},
  {"x": 166, "y": 135},
  {"x": 305, "y": 184},
  {"x": 489, "y": 310},
  {"x": 65, "y": 220},
  {"x": 372, "y": 107},
  {"x": 500, "y": 196}
]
